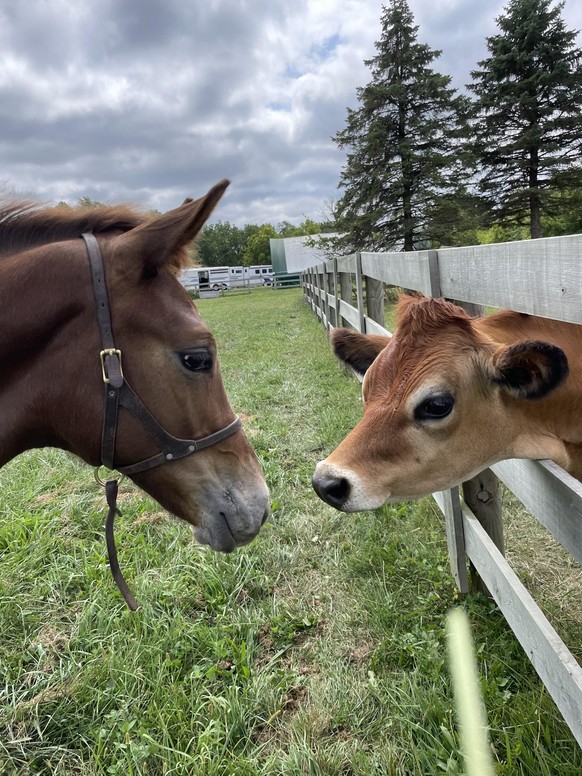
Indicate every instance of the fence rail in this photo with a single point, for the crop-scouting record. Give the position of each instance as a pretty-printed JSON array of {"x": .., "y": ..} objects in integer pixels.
[{"x": 540, "y": 277}]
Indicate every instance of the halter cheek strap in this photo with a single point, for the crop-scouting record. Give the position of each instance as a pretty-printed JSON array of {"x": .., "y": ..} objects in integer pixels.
[{"x": 118, "y": 393}]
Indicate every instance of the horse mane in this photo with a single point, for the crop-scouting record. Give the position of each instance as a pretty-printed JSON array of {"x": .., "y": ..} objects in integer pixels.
[{"x": 27, "y": 224}]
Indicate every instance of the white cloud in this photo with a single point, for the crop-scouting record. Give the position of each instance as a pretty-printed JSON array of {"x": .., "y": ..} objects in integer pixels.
[{"x": 150, "y": 101}]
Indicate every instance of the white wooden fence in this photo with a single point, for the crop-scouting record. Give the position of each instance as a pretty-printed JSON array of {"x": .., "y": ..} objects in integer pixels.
[{"x": 540, "y": 277}]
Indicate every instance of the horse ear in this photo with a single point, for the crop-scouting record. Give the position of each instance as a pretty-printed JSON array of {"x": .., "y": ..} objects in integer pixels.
[
  {"x": 357, "y": 350},
  {"x": 159, "y": 242},
  {"x": 530, "y": 370}
]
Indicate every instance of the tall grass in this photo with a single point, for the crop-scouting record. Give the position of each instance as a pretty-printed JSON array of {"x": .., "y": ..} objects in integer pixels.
[{"x": 318, "y": 649}]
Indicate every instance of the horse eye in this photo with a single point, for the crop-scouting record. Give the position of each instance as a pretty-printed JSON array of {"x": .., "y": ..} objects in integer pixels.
[
  {"x": 196, "y": 360},
  {"x": 435, "y": 408}
]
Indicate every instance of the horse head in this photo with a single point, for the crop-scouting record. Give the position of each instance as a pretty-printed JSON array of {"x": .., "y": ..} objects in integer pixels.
[{"x": 55, "y": 384}]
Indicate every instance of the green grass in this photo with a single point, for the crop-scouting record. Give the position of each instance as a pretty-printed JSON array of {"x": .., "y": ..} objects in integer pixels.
[{"x": 319, "y": 649}]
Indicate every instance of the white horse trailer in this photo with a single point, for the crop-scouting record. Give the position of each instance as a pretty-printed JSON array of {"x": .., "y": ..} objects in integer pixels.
[
  {"x": 205, "y": 278},
  {"x": 259, "y": 274},
  {"x": 223, "y": 278}
]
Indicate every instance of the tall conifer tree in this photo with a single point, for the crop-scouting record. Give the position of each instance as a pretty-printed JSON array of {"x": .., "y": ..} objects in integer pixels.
[
  {"x": 402, "y": 153},
  {"x": 527, "y": 112}
]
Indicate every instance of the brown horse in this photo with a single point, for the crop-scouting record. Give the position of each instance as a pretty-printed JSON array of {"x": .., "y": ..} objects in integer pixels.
[{"x": 57, "y": 375}]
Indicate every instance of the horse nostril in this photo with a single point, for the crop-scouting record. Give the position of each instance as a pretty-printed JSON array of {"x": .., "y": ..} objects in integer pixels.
[
  {"x": 265, "y": 516},
  {"x": 333, "y": 490}
]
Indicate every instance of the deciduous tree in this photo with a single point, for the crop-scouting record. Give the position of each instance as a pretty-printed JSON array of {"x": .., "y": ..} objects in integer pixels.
[
  {"x": 258, "y": 247},
  {"x": 221, "y": 244}
]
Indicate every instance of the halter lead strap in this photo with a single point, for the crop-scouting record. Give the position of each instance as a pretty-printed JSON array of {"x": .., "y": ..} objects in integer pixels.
[{"x": 119, "y": 393}]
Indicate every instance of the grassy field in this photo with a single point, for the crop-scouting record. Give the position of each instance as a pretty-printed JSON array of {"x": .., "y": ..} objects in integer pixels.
[{"x": 319, "y": 649}]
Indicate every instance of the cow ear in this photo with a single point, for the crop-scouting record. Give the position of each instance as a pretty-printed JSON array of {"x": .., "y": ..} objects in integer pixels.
[
  {"x": 159, "y": 241},
  {"x": 357, "y": 350},
  {"x": 530, "y": 370}
]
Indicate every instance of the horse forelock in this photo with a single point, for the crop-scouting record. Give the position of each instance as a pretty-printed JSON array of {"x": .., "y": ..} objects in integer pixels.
[{"x": 26, "y": 224}]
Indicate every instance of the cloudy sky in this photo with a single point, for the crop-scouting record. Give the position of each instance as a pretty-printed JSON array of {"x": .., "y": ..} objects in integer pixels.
[{"x": 150, "y": 101}]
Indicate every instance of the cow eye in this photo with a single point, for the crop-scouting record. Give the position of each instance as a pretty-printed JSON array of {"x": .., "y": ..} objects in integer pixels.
[
  {"x": 435, "y": 407},
  {"x": 197, "y": 360}
]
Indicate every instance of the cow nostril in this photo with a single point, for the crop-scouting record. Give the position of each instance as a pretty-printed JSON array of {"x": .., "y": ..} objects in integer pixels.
[
  {"x": 339, "y": 489},
  {"x": 333, "y": 490}
]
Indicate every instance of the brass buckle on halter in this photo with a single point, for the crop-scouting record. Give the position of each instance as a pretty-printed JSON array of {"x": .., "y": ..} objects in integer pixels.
[{"x": 103, "y": 355}]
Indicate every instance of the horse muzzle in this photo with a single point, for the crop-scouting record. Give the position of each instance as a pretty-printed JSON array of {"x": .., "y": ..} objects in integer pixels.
[{"x": 232, "y": 520}]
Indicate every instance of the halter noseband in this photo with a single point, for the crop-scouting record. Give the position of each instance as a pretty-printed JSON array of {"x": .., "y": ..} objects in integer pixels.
[{"x": 118, "y": 393}]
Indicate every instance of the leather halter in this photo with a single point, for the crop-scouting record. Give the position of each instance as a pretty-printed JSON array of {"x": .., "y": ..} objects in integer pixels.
[{"x": 118, "y": 393}]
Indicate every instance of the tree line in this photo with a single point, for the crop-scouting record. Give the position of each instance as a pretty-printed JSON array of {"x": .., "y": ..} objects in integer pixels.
[
  {"x": 427, "y": 166},
  {"x": 225, "y": 244}
]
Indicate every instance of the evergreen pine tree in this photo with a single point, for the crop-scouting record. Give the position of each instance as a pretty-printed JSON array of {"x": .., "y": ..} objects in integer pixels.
[
  {"x": 527, "y": 113},
  {"x": 401, "y": 142}
]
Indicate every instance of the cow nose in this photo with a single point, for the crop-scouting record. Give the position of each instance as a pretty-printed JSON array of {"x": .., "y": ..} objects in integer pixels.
[{"x": 334, "y": 490}]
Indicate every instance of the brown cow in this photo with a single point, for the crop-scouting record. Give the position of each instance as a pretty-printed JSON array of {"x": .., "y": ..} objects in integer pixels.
[{"x": 449, "y": 395}]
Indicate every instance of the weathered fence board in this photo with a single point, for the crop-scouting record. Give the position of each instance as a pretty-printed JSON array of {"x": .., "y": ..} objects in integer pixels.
[
  {"x": 347, "y": 263},
  {"x": 398, "y": 269},
  {"x": 551, "y": 495},
  {"x": 374, "y": 328},
  {"x": 540, "y": 277},
  {"x": 375, "y": 300},
  {"x": 346, "y": 292},
  {"x": 555, "y": 664},
  {"x": 349, "y": 313},
  {"x": 450, "y": 506}
]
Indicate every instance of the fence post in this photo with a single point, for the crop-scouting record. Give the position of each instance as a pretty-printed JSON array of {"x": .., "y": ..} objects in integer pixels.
[
  {"x": 346, "y": 292},
  {"x": 481, "y": 493},
  {"x": 326, "y": 288},
  {"x": 315, "y": 300},
  {"x": 322, "y": 294},
  {"x": 335, "y": 315},
  {"x": 360, "y": 293},
  {"x": 375, "y": 300},
  {"x": 319, "y": 276},
  {"x": 451, "y": 506}
]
